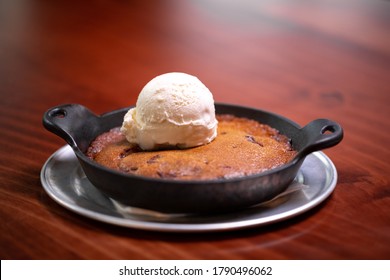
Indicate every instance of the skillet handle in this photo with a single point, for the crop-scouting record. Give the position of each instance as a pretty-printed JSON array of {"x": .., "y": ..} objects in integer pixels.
[
  {"x": 318, "y": 135},
  {"x": 68, "y": 121}
]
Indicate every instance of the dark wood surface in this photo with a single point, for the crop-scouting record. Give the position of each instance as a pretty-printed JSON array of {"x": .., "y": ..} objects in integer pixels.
[{"x": 302, "y": 59}]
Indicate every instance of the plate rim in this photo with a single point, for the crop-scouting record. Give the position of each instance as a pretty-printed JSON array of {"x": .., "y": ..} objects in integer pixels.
[{"x": 187, "y": 227}]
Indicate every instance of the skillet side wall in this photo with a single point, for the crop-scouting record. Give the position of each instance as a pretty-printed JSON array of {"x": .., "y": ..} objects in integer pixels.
[{"x": 190, "y": 196}]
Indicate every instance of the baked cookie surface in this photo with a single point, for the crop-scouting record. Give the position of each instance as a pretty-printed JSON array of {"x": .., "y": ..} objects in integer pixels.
[{"x": 242, "y": 147}]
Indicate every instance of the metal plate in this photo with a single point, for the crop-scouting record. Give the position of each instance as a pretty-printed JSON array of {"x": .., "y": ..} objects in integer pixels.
[{"x": 65, "y": 182}]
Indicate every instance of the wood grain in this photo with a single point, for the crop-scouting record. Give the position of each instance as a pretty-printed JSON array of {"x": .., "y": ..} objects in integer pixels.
[{"x": 302, "y": 59}]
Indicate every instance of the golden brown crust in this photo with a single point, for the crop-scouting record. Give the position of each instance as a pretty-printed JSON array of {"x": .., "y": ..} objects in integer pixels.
[{"x": 242, "y": 147}]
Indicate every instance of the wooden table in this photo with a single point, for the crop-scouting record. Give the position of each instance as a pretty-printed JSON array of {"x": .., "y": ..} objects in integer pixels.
[{"x": 301, "y": 59}]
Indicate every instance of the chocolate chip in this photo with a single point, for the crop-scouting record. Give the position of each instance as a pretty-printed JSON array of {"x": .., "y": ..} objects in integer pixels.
[
  {"x": 128, "y": 151},
  {"x": 166, "y": 174},
  {"x": 252, "y": 139},
  {"x": 153, "y": 159}
]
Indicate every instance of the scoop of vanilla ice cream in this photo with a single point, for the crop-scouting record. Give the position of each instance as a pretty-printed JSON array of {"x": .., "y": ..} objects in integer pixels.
[{"x": 173, "y": 109}]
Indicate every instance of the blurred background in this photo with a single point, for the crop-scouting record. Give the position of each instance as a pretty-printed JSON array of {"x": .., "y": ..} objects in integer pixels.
[{"x": 247, "y": 52}]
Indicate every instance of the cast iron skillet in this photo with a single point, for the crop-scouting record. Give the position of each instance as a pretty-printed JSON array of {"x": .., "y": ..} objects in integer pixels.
[{"x": 78, "y": 126}]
